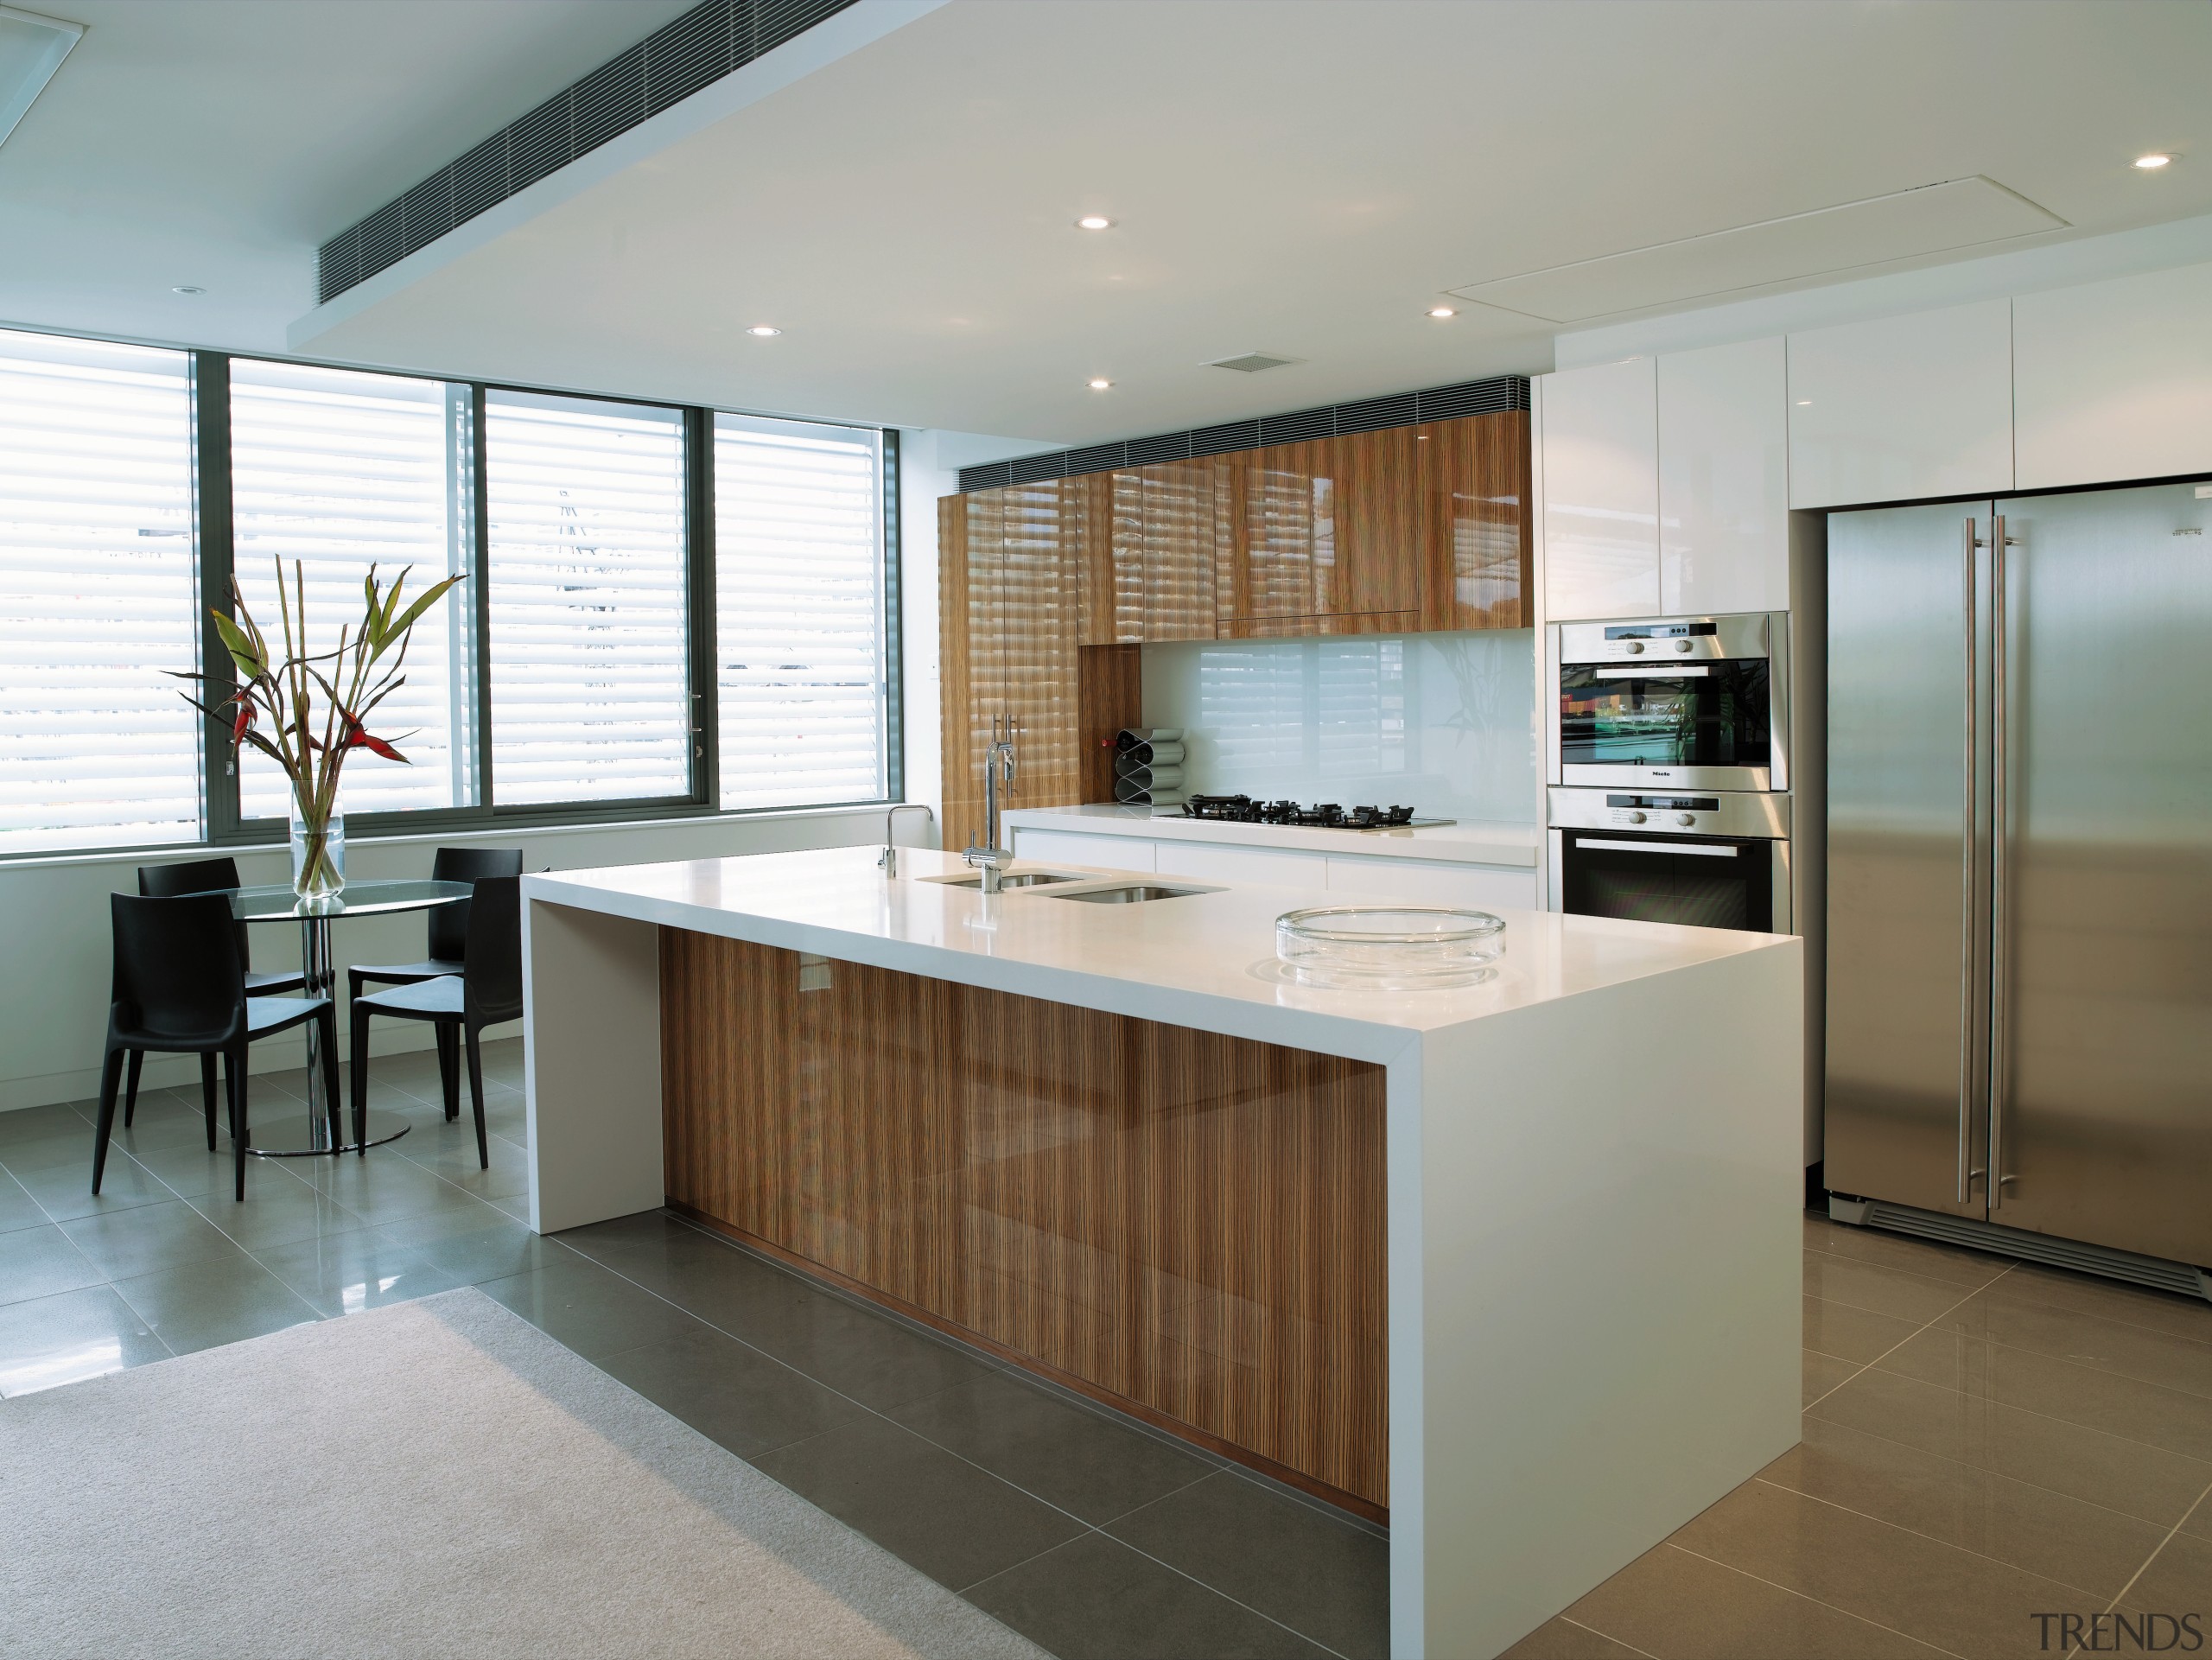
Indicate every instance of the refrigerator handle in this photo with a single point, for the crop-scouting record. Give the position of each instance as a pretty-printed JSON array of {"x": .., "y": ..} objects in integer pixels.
[
  {"x": 1966, "y": 888},
  {"x": 2000, "y": 836}
]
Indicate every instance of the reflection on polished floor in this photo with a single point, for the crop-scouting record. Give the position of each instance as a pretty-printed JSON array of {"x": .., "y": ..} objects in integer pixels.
[{"x": 1984, "y": 1441}]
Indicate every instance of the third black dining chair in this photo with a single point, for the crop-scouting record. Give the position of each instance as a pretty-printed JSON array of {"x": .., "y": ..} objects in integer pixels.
[
  {"x": 449, "y": 947},
  {"x": 487, "y": 991},
  {"x": 180, "y": 988}
]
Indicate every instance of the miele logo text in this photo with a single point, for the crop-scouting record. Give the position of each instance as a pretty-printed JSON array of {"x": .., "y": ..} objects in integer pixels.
[{"x": 2119, "y": 1633}]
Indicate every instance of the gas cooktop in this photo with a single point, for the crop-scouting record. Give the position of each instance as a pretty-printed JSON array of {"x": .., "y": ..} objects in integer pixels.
[{"x": 1243, "y": 810}]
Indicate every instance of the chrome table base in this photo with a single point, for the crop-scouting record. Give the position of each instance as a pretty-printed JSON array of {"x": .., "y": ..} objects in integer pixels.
[{"x": 325, "y": 1129}]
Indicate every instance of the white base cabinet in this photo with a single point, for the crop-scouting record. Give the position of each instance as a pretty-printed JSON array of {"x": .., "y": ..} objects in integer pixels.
[
  {"x": 1424, "y": 881},
  {"x": 1418, "y": 882},
  {"x": 1064, "y": 846},
  {"x": 1269, "y": 867}
]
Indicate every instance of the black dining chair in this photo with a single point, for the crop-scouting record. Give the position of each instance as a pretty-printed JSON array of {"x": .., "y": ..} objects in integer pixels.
[
  {"x": 448, "y": 946},
  {"x": 180, "y": 988},
  {"x": 487, "y": 991},
  {"x": 202, "y": 876}
]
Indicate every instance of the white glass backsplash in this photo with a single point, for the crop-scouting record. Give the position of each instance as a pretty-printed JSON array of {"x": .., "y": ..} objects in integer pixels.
[{"x": 1445, "y": 723}]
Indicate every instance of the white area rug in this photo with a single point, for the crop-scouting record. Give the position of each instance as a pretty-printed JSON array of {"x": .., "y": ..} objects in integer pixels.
[{"x": 437, "y": 1478}]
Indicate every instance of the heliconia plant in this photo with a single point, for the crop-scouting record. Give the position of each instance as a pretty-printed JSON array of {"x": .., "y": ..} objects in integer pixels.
[{"x": 274, "y": 707}]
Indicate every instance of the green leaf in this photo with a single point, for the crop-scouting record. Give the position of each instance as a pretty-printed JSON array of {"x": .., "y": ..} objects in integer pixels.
[
  {"x": 240, "y": 643},
  {"x": 423, "y": 602}
]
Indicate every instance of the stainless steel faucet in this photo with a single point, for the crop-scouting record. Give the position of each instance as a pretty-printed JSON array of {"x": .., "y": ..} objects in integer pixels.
[{"x": 998, "y": 767}]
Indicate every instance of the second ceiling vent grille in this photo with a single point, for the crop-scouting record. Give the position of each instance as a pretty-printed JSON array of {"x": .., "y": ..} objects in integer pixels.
[
  {"x": 676, "y": 61},
  {"x": 1491, "y": 397}
]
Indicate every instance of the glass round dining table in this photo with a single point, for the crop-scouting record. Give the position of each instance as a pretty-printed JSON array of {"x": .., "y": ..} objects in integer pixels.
[{"x": 323, "y": 1131}]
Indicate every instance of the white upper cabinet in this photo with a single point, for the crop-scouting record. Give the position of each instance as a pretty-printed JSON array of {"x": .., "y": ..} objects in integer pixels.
[
  {"x": 1724, "y": 480},
  {"x": 1601, "y": 491},
  {"x": 1903, "y": 408},
  {"x": 2113, "y": 380}
]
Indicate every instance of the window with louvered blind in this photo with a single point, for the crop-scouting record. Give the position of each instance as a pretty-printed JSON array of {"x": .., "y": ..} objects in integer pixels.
[
  {"x": 585, "y": 562},
  {"x": 337, "y": 471},
  {"x": 799, "y": 626},
  {"x": 98, "y": 595}
]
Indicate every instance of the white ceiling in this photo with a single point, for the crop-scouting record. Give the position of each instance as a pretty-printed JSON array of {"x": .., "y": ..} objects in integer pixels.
[
  {"x": 1299, "y": 176},
  {"x": 217, "y": 143}
]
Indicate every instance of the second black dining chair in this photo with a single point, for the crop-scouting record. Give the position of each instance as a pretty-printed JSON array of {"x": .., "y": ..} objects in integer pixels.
[
  {"x": 487, "y": 991},
  {"x": 449, "y": 947},
  {"x": 180, "y": 988}
]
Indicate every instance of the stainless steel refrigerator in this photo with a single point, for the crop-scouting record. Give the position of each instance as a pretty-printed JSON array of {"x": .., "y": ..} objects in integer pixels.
[{"x": 2020, "y": 894}]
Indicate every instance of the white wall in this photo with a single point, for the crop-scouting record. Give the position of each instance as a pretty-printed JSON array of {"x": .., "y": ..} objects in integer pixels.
[
  {"x": 54, "y": 911},
  {"x": 1442, "y": 722}
]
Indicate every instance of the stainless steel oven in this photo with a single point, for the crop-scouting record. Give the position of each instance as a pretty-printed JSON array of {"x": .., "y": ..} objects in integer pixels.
[
  {"x": 1710, "y": 860},
  {"x": 1670, "y": 703}
]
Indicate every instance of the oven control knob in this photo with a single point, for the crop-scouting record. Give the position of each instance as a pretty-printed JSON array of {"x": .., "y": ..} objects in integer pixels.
[
  {"x": 1633, "y": 646},
  {"x": 1685, "y": 818},
  {"x": 1635, "y": 819},
  {"x": 1682, "y": 646}
]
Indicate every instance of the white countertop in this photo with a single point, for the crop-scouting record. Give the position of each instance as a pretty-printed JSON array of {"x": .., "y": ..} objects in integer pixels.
[
  {"x": 1206, "y": 961},
  {"x": 1469, "y": 841}
]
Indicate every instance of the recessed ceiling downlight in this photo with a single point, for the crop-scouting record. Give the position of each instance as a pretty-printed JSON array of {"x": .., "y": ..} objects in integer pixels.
[
  {"x": 188, "y": 287},
  {"x": 762, "y": 331},
  {"x": 1442, "y": 311},
  {"x": 2153, "y": 162},
  {"x": 1094, "y": 222},
  {"x": 1100, "y": 386}
]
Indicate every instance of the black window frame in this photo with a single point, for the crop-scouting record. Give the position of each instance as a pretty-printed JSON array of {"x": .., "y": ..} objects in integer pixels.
[{"x": 222, "y": 826}]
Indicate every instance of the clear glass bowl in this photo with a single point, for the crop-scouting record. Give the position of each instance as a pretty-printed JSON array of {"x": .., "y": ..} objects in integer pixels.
[{"x": 1386, "y": 947}]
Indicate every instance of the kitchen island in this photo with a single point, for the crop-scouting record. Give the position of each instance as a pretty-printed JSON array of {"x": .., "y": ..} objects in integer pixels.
[{"x": 1509, "y": 1265}]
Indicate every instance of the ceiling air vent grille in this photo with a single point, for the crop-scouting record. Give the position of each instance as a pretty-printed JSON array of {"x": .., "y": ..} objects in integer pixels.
[
  {"x": 1252, "y": 362},
  {"x": 676, "y": 61},
  {"x": 1496, "y": 396}
]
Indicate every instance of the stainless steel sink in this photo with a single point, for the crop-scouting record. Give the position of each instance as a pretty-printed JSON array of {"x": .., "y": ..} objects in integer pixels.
[
  {"x": 1129, "y": 894},
  {"x": 1012, "y": 879}
]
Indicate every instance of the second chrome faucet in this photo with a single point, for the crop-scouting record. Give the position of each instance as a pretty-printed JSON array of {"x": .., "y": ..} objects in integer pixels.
[{"x": 998, "y": 771}]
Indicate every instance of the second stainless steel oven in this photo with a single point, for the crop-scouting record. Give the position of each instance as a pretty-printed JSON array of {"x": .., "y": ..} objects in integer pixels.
[
  {"x": 1670, "y": 703},
  {"x": 1710, "y": 861}
]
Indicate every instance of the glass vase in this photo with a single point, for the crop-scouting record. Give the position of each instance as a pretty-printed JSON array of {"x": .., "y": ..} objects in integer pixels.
[{"x": 318, "y": 858}]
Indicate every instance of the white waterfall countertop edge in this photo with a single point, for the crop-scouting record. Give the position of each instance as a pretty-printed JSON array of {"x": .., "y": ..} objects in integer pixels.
[
  {"x": 1206, "y": 960},
  {"x": 1469, "y": 841}
]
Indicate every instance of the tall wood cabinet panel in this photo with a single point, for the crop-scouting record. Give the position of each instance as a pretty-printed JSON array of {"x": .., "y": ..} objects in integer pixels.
[
  {"x": 1902, "y": 408},
  {"x": 1475, "y": 522},
  {"x": 970, "y": 542},
  {"x": 1328, "y": 529},
  {"x": 2113, "y": 380},
  {"x": 1601, "y": 491},
  {"x": 1724, "y": 480},
  {"x": 1109, "y": 556}
]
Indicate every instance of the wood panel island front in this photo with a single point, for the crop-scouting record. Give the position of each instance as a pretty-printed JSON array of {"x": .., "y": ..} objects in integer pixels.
[{"x": 1508, "y": 1266}]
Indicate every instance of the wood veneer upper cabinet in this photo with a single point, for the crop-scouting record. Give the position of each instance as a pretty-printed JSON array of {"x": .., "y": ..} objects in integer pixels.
[
  {"x": 1035, "y": 638},
  {"x": 1281, "y": 523},
  {"x": 1373, "y": 566},
  {"x": 1109, "y": 556},
  {"x": 1476, "y": 519},
  {"x": 1178, "y": 529}
]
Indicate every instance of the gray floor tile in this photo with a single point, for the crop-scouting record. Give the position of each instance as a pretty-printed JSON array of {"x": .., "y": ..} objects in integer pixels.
[
  {"x": 733, "y": 1395},
  {"x": 69, "y": 1338},
  {"x": 278, "y": 1207},
  {"x": 383, "y": 1186},
  {"x": 1063, "y": 1453},
  {"x": 124, "y": 1245},
  {"x": 1094, "y": 1599},
  {"x": 38, "y": 1124},
  {"x": 856, "y": 1351},
  {"x": 475, "y": 1245},
  {"x": 455, "y": 1160},
  {"x": 166, "y": 1119},
  {"x": 213, "y": 1303},
  {"x": 1562, "y": 1639},
  {"x": 1327, "y": 1578},
  {"x": 352, "y": 1273},
  {"x": 955, "y": 1523},
  {"x": 41, "y": 1261},
  {"x": 17, "y": 1208},
  {"x": 590, "y": 1310},
  {"x": 64, "y": 1191},
  {"x": 66, "y": 1146},
  {"x": 189, "y": 1169}
]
